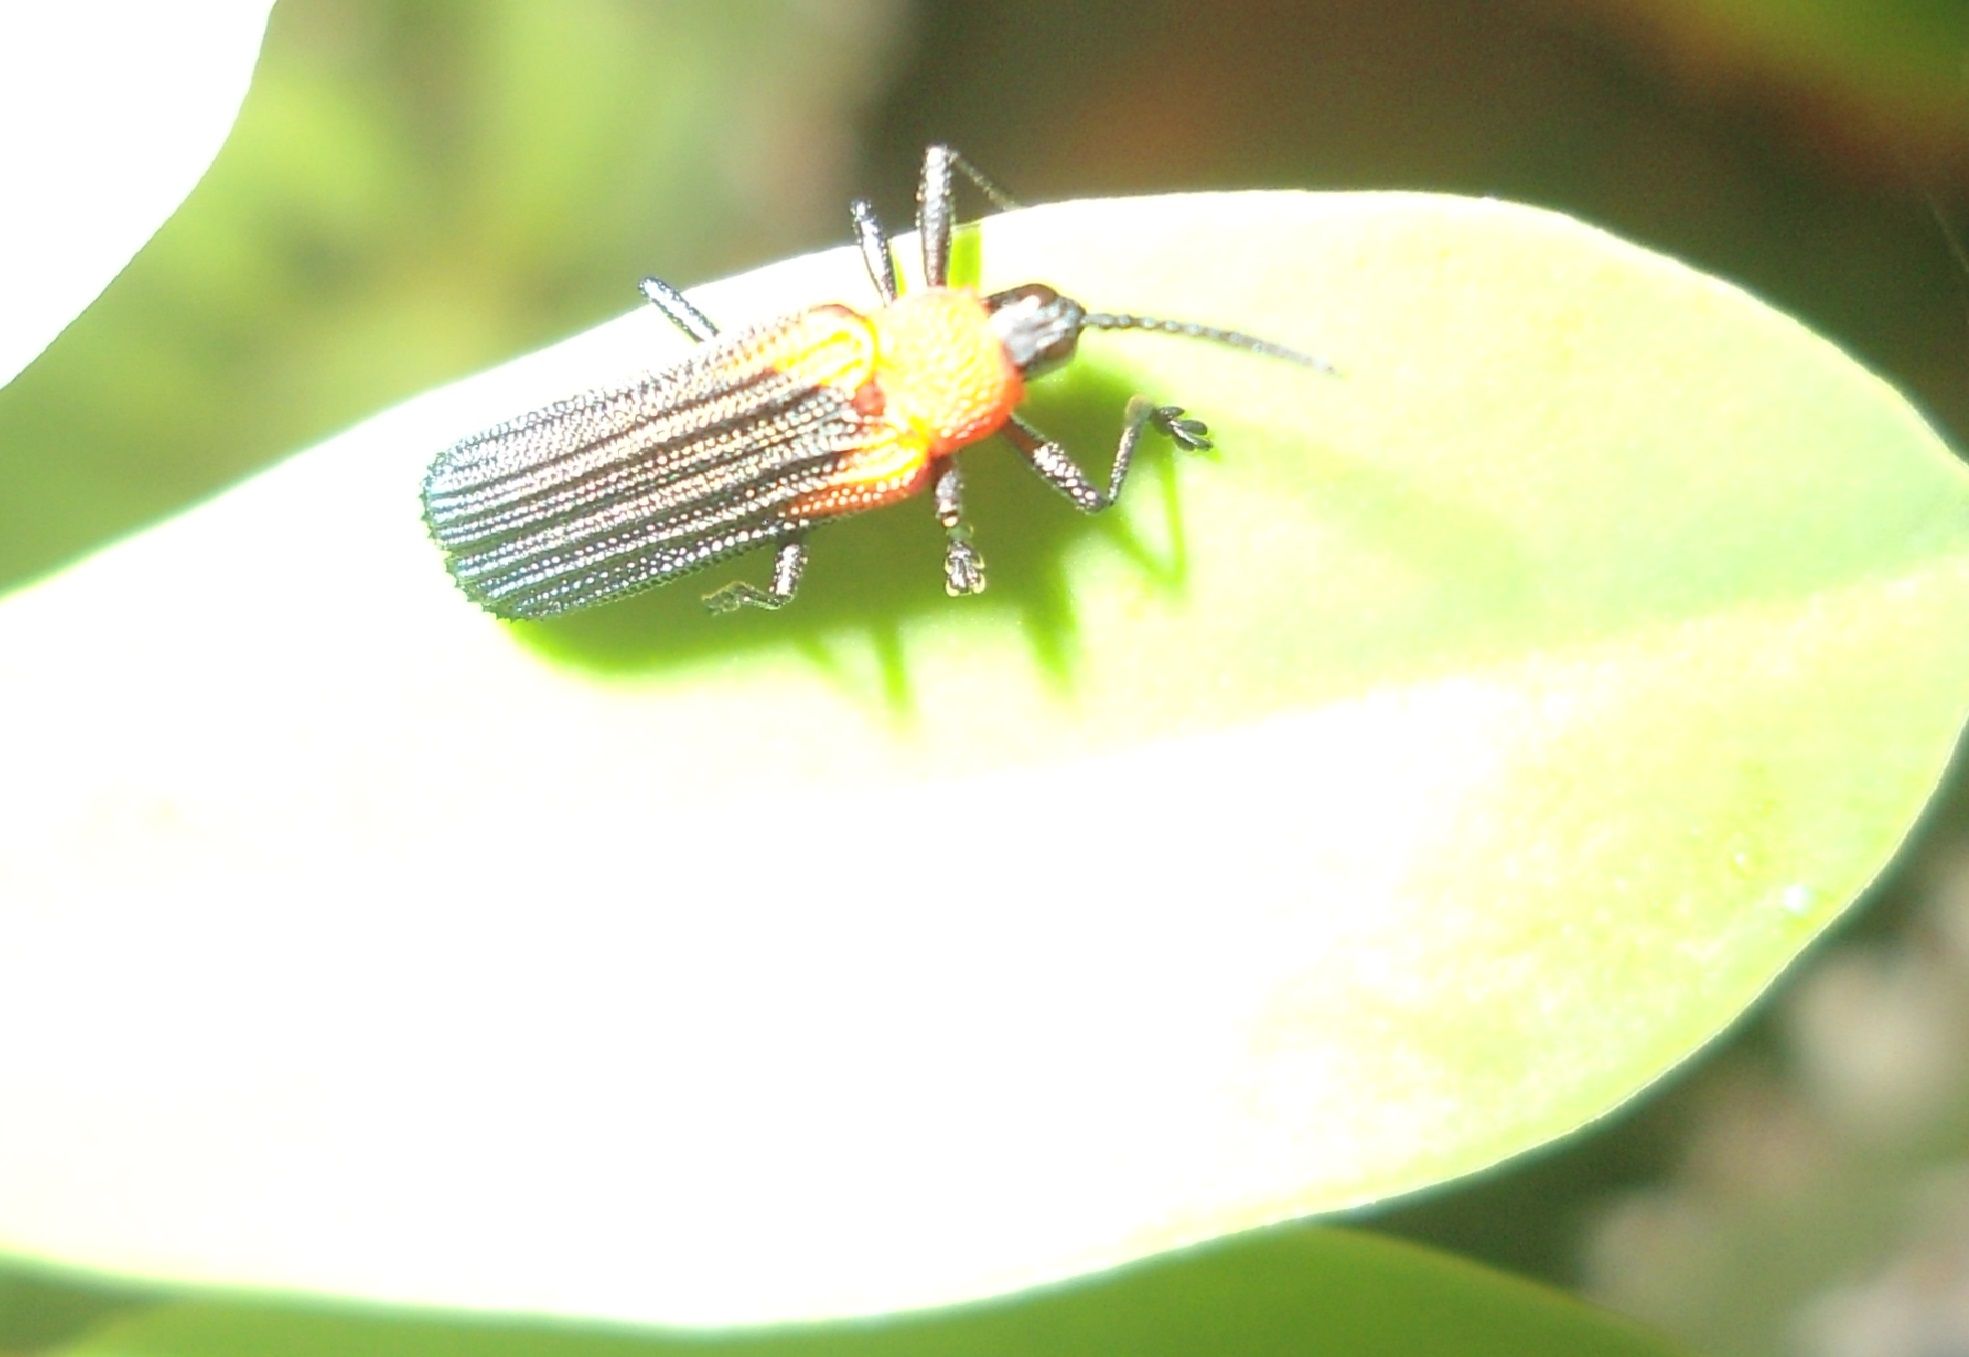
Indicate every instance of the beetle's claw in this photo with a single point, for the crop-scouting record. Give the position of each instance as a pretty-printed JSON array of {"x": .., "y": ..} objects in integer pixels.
[{"x": 1193, "y": 434}]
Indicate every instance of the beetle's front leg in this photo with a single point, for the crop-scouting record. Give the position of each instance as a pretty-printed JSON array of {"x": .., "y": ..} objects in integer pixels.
[{"x": 1060, "y": 471}]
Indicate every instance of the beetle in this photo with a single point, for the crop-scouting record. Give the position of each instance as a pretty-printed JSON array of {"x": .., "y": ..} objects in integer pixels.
[{"x": 763, "y": 433}]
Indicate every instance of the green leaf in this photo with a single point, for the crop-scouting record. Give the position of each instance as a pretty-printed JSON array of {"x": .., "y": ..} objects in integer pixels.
[
  {"x": 1463, "y": 745},
  {"x": 1286, "y": 1292}
]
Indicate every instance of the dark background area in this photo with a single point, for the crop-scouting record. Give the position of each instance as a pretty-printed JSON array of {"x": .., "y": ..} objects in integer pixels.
[{"x": 416, "y": 190}]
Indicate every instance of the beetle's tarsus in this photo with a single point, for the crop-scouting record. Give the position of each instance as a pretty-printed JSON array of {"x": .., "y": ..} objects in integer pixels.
[
  {"x": 1193, "y": 434},
  {"x": 963, "y": 569},
  {"x": 731, "y": 598}
]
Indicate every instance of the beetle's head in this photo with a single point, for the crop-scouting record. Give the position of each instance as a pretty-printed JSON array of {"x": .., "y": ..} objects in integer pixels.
[{"x": 1037, "y": 326}]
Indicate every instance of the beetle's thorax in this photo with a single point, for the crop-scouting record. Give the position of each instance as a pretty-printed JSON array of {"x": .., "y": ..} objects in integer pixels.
[{"x": 943, "y": 369}]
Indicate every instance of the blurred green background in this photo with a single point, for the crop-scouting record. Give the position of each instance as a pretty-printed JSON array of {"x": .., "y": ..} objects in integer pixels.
[{"x": 417, "y": 189}]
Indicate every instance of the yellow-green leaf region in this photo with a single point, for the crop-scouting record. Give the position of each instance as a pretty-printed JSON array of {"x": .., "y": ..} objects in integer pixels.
[{"x": 1471, "y": 737}]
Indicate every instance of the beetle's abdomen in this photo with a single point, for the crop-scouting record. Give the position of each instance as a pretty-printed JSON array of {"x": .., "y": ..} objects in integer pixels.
[{"x": 737, "y": 446}]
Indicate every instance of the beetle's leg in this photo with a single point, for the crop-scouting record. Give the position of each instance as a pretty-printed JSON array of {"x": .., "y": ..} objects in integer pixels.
[
  {"x": 678, "y": 310},
  {"x": 875, "y": 251},
  {"x": 788, "y": 564},
  {"x": 935, "y": 216},
  {"x": 1059, "y": 470},
  {"x": 963, "y": 567}
]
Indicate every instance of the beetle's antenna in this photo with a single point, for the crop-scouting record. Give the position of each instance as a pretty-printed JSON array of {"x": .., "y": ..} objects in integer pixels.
[{"x": 1104, "y": 320}]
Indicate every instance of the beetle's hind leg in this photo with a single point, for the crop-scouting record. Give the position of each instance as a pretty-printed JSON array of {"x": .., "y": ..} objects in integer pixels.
[
  {"x": 677, "y": 309},
  {"x": 1060, "y": 471},
  {"x": 789, "y": 563},
  {"x": 963, "y": 567}
]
